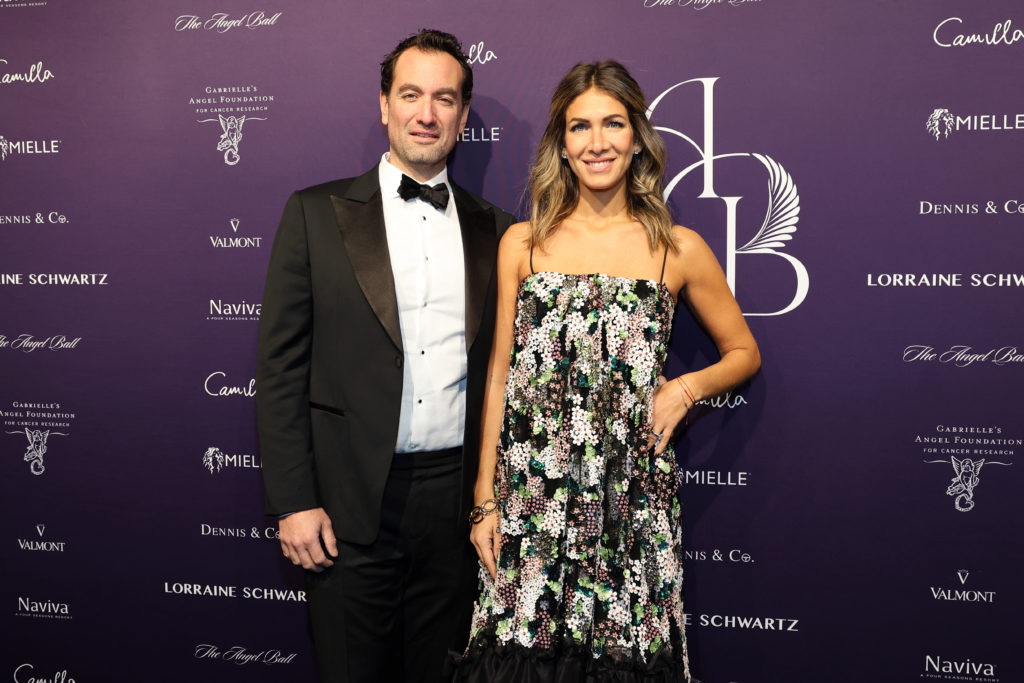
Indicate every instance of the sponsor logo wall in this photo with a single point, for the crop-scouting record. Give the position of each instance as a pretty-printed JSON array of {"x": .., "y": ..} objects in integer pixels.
[{"x": 856, "y": 174}]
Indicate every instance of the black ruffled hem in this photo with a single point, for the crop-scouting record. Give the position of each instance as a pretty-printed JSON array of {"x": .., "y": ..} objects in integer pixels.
[{"x": 517, "y": 664}]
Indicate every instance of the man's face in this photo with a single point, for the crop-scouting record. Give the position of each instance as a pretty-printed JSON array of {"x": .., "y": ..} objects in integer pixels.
[{"x": 424, "y": 111}]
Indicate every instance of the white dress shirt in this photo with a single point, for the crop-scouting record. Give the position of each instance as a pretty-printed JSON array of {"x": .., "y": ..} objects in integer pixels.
[{"x": 425, "y": 245}]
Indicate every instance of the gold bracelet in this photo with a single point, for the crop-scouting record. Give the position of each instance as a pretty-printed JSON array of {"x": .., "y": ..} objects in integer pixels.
[{"x": 477, "y": 514}]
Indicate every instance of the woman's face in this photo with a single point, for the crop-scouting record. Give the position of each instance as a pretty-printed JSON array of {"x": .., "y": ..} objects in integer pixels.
[{"x": 598, "y": 140}]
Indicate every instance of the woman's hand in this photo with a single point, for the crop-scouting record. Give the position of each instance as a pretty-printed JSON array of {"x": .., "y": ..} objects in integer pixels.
[
  {"x": 670, "y": 406},
  {"x": 487, "y": 540}
]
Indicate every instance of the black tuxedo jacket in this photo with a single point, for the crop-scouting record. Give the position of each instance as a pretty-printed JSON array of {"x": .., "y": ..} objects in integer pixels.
[{"x": 329, "y": 369}]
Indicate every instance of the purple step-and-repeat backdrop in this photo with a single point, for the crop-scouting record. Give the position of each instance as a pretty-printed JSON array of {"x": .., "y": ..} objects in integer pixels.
[{"x": 853, "y": 514}]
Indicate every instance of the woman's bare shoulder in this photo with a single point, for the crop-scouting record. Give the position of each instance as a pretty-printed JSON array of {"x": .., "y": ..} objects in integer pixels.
[
  {"x": 516, "y": 233},
  {"x": 515, "y": 241},
  {"x": 514, "y": 250},
  {"x": 687, "y": 241}
]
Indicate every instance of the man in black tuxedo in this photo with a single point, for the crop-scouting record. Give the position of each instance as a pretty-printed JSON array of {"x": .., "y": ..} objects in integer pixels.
[{"x": 374, "y": 338}]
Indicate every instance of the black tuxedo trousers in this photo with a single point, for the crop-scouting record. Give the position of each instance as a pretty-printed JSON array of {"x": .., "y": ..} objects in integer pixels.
[{"x": 391, "y": 610}]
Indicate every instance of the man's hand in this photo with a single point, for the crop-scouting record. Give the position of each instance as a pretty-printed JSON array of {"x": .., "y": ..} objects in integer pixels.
[{"x": 300, "y": 539}]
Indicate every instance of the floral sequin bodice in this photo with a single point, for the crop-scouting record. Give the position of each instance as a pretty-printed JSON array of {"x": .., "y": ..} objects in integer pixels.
[{"x": 586, "y": 356}]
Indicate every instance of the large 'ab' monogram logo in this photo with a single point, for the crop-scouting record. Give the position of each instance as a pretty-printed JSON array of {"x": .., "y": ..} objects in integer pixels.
[{"x": 783, "y": 211}]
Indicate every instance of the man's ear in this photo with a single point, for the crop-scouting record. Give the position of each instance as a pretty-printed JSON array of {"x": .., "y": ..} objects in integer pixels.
[{"x": 383, "y": 108}]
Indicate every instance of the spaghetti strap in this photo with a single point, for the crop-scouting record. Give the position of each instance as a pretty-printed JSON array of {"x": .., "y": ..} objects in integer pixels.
[
  {"x": 531, "y": 260},
  {"x": 664, "y": 260}
]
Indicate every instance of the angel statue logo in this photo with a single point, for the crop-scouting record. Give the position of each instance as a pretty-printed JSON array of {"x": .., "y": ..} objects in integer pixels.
[
  {"x": 213, "y": 459},
  {"x": 4, "y": 148},
  {"x": 940, "y": 123},
  {"x": 966, "y": 477},
  {"x": 231, "y": 135},
  {"x": 36, "y": 447},
  {"x": 783, "y": 207}
]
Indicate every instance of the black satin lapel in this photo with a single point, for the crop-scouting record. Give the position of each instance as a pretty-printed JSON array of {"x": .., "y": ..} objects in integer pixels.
[
  {"x": 366, "y": 243},
  {"x": 480, "y": 249}
]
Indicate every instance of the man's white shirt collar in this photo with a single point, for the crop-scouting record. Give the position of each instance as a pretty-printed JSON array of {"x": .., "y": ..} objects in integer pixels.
[{"x": 391, "y": 177}]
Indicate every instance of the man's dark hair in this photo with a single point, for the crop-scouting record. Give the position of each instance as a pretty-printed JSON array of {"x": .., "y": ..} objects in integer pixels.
[{"x": 428, "y": 40}]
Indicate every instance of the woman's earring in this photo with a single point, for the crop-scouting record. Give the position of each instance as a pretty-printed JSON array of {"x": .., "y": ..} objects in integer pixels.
[
  {"x": 636, "y": 152},
  {"x": 564, "y": 155}
]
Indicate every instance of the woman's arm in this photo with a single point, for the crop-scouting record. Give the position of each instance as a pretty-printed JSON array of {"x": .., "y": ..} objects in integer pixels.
[
  {"x": 702, "y": 286},
  {"x": 512, "y": 253}
]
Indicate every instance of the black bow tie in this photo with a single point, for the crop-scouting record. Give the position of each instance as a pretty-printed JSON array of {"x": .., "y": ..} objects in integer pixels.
[{"x": 437, "y": 195}]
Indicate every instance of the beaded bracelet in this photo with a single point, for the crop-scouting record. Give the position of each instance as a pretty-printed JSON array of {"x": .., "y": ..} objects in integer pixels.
[{"x": 477, "y": 514}]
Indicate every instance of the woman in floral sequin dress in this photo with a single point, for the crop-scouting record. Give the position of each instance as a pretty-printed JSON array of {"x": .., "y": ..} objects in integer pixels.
[{"x": 578, "y": 520}]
